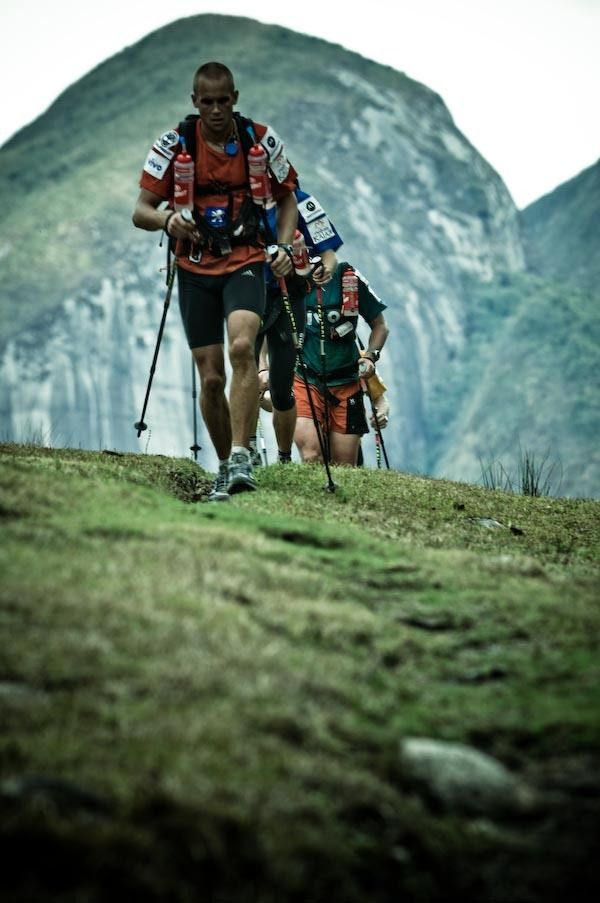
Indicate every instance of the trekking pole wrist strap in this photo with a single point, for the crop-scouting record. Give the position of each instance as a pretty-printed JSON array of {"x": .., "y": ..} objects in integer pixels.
[{"x": 168, "y": 220}]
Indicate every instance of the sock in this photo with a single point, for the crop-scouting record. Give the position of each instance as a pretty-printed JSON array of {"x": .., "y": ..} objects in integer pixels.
[
  {"x": 240, "y": 450},
  {"x": 223, "y": 463},
  {"x": 284, "y": 457}
]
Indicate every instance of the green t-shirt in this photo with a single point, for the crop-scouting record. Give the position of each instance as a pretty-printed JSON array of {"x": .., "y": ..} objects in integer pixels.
[{"x": 341, "y": 353}]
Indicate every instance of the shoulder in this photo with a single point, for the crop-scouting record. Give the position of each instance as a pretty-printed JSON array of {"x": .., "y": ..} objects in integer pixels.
[
  {"x": 159, "y": 158},
  {"x": 367, "y": 293}
]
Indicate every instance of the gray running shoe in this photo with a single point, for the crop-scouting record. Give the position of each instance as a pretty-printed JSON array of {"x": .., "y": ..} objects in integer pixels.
[
  {"x": 240, "y": 474},
  {"x": 219, "y": 491}
]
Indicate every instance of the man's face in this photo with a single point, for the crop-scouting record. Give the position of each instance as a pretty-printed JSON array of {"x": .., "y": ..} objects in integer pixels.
[{"x": 215, "y": 101}]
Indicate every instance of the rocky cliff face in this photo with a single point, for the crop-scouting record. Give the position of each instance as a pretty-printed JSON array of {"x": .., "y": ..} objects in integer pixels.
[
  {"x": 79, "y": 378},
  {"x": 423, "y": 216},
  {"x": 426, "y": 218}
]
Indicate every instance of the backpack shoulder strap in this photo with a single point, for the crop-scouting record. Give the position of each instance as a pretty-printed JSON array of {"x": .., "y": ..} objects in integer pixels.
[
  {"x": 246, "y": 132},
  {"x": 187, "y": 130}
]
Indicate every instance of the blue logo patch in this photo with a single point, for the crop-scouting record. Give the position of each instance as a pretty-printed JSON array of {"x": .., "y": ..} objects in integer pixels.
[{"x": 216, "y": 217}]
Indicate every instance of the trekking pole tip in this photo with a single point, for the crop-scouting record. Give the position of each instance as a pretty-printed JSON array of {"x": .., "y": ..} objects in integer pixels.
[{"x": 140, "y": 427}]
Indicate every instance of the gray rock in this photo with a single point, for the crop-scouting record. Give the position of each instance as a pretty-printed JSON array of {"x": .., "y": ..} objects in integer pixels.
[{"x": 463, "y": 779}]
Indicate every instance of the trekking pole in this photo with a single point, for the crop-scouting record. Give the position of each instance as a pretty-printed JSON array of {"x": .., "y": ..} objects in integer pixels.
[
  {"x": 379, "y": 443},
  {"x": 323, "y": 370},
  {"x": 378, "y": 450},
  {"x": 140, "y": 425},
  {"x": 331, "y": 486},
  {"x": 261, "y": 439},
  {"x": 195, "y": 448}
]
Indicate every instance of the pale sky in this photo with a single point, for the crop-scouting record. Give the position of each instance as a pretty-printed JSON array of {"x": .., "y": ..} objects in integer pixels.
[{"x": 521, "y": 77}]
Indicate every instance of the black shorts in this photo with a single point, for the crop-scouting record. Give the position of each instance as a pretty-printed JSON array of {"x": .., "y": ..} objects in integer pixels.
[{"x": 205, "y": 302}]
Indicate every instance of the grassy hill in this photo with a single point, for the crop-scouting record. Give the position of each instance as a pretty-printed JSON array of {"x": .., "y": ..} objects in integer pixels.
[{"x": 223, "y": 702}]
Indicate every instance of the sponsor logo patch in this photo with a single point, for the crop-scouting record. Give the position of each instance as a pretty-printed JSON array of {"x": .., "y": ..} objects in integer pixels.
[
  {"x": 278, "y": 162},
  {"x": 156, "y": 165},
  {"x": 216, "y": 217},
  {"x": 165, "y": 144},
  {"x": 168, "y": 140},
  {"x": 310, "y": 209},
  {"x": 320, "y": 230}
]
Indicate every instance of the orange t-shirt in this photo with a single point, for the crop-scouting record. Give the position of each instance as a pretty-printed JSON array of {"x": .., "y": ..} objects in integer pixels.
[{"x": 216, "y": 166}]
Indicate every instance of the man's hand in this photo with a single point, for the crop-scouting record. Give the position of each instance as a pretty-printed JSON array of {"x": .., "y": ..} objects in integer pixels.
[
  {"x": 281, "y": 264},
  {"x": 323, "y": 273},
  {"x": 382, "y": 411},
  {"x": 178, "y": 227},
  {"x": 366, "y": 369}
]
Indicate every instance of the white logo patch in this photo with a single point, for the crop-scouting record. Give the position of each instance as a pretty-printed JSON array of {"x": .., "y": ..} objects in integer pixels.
[
  {"x": 320, "y": 230},
  {"x": 168, "y": 140},
  {"x": 165, "y": 143},
  {"x": 310, "y": 209},
  {"x": 156, "y": 165},
  {"x": 278, "y": 162},
  {"x": 272, "y": 143}
]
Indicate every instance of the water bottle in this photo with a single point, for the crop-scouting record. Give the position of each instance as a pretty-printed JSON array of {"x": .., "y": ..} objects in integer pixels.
[
  {"x": 300, "y": 255},
  {"x": 349, "y": 293},
  {"x": 260, "y": 184},
  {"x": 184, "y": 173}
]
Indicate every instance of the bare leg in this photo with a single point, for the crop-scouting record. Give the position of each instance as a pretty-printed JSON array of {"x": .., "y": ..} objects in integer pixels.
[
  {"x": 284, "y": 424},
  {"x": 210, "y": 362},
  {"x": 344, "y": 448},
  {"x": 242, "y": 329},
  {"x": 307, "y": 441}
]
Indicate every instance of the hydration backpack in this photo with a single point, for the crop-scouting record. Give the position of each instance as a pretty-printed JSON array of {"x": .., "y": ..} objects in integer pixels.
[{"x": 249, "y": 225}]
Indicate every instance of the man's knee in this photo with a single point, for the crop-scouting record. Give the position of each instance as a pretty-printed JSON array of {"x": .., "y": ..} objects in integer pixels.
[
  {"x": 212, "y": 383},
  {"x": 241, "y": 350},
  {"x": 309, "y": 454},
  {"x": 307, "y": 441}
]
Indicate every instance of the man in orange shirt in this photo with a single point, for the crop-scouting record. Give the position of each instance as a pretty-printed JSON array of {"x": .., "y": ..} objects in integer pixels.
[{"x": 220, "y": 261}]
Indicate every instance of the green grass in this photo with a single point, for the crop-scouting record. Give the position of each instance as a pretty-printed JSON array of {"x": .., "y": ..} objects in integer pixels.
[{"x": 229, "y": 684}]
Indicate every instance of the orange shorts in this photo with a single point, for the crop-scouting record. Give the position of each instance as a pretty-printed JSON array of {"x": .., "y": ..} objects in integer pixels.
[{"x": 345, "y": 406}]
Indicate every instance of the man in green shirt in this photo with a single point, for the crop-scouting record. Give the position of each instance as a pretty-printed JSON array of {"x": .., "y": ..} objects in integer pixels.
[{"x": 331, "y": 365}]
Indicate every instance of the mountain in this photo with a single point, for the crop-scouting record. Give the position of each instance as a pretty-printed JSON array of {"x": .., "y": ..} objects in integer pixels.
[
  {"x": 561, "y": 232},
  {"x": 422, "y": 214},
  {"x": 528, "y": 389}
]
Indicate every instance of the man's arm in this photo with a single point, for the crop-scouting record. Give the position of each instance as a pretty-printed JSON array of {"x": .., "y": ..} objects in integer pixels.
[
  {"x": 287, "y": 220},
  {"x": 377, "y": 339},
  {"x": 379, "y": 333},
  {"x": 146, "y": 215}
]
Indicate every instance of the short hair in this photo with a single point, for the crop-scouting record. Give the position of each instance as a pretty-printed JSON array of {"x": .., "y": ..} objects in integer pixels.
[{"x": 213, "y": 70}]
